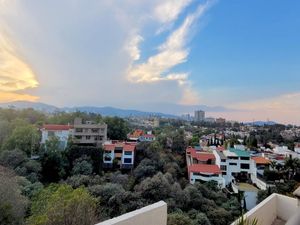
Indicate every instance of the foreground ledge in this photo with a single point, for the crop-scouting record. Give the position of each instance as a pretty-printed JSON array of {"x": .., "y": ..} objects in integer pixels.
[{"x": 155, "y": 214}]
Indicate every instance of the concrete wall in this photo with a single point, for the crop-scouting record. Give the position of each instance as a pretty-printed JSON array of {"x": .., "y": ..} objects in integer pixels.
[
  {"x": 275, "y": 206},
  {"x": 155, "y": 214}
]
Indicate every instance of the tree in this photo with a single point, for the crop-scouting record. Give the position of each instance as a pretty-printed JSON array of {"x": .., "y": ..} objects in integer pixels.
[
  {"x": 25, "y": 138},
  {"x": 61, "y": 204},
  {"x": 117, "y": 128},
  {"x": 53, "y": 165},
  {"x": 82, "y": 166},
  {"x": 13, "y": 205},
  {"x": 179, "y": 219}
]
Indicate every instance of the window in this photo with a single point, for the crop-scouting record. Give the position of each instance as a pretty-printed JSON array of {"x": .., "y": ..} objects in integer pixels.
[
  {"x": 224, "y": 173},
  {"x": 245, "y": 158},
  {"x": 94, "y": 130},
  {"x": 88, "y": 137},
  {"x": 118, "y": 150},
  {"x": 223, "y": 160},
  {"x": 127, "y": 153},
  {"x": 233, "y": 157},
  {"x": 233, "y": 164},
  {"x": 223, "y": 167},
  {"x": 50, "y": 133},
  {"x": 126, "y": 160},
  {"x": 78, "y": 130},
  {"x": 245, "y": 166}
]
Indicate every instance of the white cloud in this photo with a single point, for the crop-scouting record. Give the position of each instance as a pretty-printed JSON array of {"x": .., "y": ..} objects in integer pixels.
[
  {"x": 169, "y": 10},
  {"x": 170, "y": 54},
  {"x": 133, "y": 46}
]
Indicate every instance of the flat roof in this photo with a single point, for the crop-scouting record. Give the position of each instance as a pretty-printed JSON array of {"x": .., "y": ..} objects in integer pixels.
[{"x": 240, "y": 153}]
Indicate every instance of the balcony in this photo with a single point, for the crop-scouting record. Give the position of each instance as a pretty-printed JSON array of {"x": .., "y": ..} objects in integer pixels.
[{"x": 276, "y": 210}]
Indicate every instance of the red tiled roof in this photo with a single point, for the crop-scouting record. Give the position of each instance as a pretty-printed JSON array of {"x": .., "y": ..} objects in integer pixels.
[
  {"x": 201, "y": 156},
  {"x": 148, "y": 135},
  {"x": 204, "y": 168},
  {"x": 260, "y": 160},
  {"x": 57, "y": 127},
  {"x": 109, "y": 147},
  {"x": 128, "y": 147}
]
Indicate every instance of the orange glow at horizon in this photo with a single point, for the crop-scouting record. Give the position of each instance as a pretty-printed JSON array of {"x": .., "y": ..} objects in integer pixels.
[{"x": 15, "y": 74}]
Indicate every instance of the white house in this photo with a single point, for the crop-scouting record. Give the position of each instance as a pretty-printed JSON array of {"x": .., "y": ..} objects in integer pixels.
[
  {"x": 122, "y": 153},
  {"x": 62, "y": 132},
  {"x": 235, "y": 164},
  {"x": 201, "y": 167}
]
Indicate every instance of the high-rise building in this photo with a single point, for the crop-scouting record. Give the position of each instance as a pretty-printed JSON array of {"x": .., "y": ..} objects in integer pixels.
[{"x": 199, "y": 115}]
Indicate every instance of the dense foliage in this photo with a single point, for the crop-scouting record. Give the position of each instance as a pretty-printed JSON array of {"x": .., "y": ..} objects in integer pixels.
[{"x": 44, "y": 185}]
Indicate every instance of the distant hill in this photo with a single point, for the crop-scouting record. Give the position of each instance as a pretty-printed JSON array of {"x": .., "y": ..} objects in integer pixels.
[
  {"x": 26, "y": 104},
  {"x": 105, "y": 111},
  {"x": 262, "y": 123}
]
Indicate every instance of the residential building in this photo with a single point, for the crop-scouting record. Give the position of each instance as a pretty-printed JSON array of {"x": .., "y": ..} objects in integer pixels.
[
  {"x": 140, "y": 135},
  {"x": 297, "y": 148},
  {"x": 220, "y": 120},
  {"x": 134, "y": 136},
  {"x": 235, "y": 164},
  {"x": 199, "y": 116},
  {"x": 276, "y": 210},
  {"x": 62, "y": 132},
  {"x": 147, "y": 138},
  {"x": 201, "y": 167},
  {"x": 120, "y": 153},
  {"x": 210, "y": 120},
  {"x": 89, "y": 133}
]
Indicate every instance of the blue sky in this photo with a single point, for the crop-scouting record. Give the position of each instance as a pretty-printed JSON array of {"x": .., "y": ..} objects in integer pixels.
[{"x": 243, "y": 55}]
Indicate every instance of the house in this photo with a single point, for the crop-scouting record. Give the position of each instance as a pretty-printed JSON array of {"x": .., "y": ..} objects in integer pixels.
[
  {"x": 146, "y": 138},
  {"x": 201, "y": 167},
  {"x": 235, "y": 164},
  {"x": 261, "y": 163},
  {"x": 297, "y": 148},
  {"x": 62, "y": 132},
  {"x": 121, "y": 154},
  {"x": 89, "y": 133},
  {"x": 134, "y": 136},
  {"x": 139, "y": 135}
]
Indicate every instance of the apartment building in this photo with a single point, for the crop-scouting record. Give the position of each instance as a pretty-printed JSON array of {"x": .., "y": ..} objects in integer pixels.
[
  {"x": 235, "y": 164},
  {"x": 62, "y": 132},
  {"x": 199, "y": 115},
  {"x": 122, "y": 154},
  {"x": 89, "y": 133},
  {"x": 201, "y": 167}
]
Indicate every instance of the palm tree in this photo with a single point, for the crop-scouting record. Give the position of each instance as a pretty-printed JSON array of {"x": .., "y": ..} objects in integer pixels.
[{"x": 244, "y": 221}]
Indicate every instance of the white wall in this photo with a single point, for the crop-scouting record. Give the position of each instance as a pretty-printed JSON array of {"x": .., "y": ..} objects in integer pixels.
[{"x": 155, "y": 214}]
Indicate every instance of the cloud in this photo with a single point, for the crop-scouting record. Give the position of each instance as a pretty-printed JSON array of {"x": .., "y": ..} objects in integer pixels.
[
  {"x": 171, "y": 53},
  {"x": 133, "y": 46},
  {"x": 169, "y": 10},
  {"x": 15, "y": 73}
]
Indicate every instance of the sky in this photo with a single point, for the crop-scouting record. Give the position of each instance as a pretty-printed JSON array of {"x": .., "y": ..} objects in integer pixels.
[{"x": 141, "y": 54}]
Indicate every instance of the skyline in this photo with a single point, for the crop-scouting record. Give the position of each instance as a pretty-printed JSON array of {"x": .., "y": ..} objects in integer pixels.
[{"x": 240, "y": 55}]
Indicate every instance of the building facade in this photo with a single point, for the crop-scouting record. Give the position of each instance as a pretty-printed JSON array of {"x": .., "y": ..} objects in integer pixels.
[
  {"x": 61, "y": 132},
  {"x": 120, "y": 154},
  {"x": 199, "y": 116},
  {"x": 89, "y": 133},
  {"x": 236, "y": 165},
  {"x": 202, "y": 167}
]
